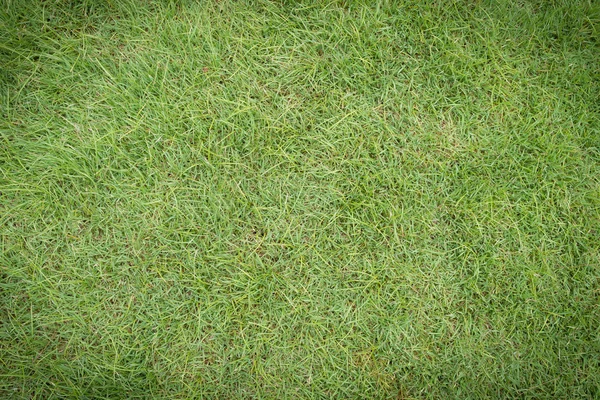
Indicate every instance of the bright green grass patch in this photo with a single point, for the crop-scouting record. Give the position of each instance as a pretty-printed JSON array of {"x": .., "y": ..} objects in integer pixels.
[{"x": 288, "y": 200}]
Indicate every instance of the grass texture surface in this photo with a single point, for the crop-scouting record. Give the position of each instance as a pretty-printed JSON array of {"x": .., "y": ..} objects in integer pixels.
[{"x": 263, "y": 199}]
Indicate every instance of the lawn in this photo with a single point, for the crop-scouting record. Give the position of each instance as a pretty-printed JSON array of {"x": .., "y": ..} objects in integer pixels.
[{"x": 300, "y": 199}]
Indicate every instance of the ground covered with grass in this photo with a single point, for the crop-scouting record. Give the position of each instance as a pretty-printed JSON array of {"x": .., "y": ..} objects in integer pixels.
[{"x": 271, "y": 199}]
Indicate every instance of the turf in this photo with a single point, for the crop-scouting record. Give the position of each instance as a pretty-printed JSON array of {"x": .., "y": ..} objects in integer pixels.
[{"x": 270, "y": 199}]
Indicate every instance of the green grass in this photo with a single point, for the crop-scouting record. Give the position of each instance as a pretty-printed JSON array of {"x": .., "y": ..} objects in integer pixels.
[{"x": 270, "y": 199}]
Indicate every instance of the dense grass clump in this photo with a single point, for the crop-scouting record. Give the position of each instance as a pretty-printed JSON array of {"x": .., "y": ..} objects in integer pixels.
[{"x": 266, "y": 199}]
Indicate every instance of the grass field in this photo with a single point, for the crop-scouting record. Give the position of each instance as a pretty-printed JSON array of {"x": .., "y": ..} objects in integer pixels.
[{"x": 263, "y": 199}]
